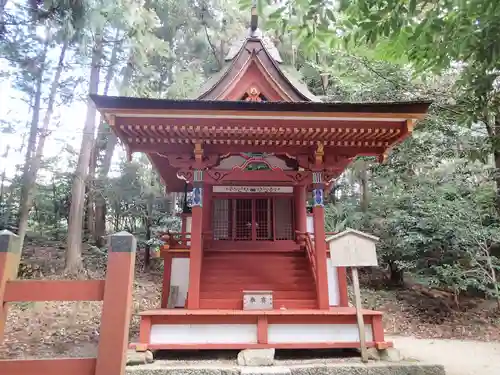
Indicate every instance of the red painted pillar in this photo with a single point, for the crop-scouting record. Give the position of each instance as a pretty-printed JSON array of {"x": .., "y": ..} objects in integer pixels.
[
  {"x": 183, "y": 222},
  {"x": 196, "y": 251},
  {"x": 378, "y": 332},
  {"x": 300, "y": 208},
  {"x": 167, "y": 274},
  {"x": 9, "y": 264},
  {"x": 117, "y": 305},
  {"x": 320, "y": 252},
  {"x": 207, "y": 203},
  {"x": 320, "y": 243}
]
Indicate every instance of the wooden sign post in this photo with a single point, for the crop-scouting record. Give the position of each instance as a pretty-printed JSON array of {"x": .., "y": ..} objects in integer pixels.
[{"x": 354, "y": 249}]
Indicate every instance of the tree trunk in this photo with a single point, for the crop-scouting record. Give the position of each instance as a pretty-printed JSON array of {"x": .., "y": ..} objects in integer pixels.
[
  {"x": 3, "y": 4},
  {"x": 149, "y": 220},
  {"x": 57, "y": 215},
  {"x": 93, "y": 184},
  {"x": 496, "y": 156},
  {"x": 30, "y": 166},
  {"x": 8, "y": 204},
  {"x": 493, "y": 129},
  {"x": 90, "y": 189},
  {"x": 100, "y": 201},
  {"x": 363, "y": 174},
  {"x": 493, "y": 275},
  {"x": 3, "y": 203},
  {"x": 396, "y": 275},
  {"x": 74, "y": 249},
  {"x": 147, "y": 250}
]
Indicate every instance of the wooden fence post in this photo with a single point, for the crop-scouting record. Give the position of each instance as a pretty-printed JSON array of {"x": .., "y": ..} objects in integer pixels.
[
  {"x": 117, "y": 305},
  {"x": 9, "y": 264}
]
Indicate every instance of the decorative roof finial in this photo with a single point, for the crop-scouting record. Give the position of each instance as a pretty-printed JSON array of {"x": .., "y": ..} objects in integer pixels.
[{"x": 254, "y": 19}]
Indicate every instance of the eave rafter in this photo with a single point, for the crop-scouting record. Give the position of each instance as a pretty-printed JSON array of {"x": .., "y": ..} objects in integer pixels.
[
  {"x": 264, "y": 135},
  {"x": 319, "y": 136}
]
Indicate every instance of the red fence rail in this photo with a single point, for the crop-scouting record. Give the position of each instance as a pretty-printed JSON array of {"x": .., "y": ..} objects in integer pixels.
[{"x": 115, "y": 292}]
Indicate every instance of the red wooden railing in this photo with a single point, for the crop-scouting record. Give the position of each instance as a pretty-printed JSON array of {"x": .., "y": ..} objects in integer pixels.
[
  {"x": 310, "y": 253},
  {"x": 327, "y": 234},
  {"x": 306, "y": 240},
  {"x": 175, "y": 240}
]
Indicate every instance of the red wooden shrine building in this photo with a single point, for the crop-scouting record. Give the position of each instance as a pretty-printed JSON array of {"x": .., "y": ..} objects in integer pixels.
[{"x": 251, "y": 265}]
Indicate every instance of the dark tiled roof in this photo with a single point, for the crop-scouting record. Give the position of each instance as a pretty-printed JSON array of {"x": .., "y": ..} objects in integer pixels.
[{"x": 117, "y": 102}]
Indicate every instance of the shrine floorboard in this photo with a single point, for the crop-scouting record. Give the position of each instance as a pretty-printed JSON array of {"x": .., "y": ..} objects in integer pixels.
[{"x": 179, "y": 329}]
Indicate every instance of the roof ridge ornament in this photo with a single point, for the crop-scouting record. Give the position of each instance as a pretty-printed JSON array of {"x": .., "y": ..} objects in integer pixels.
[{"x": 254, "y": 18}]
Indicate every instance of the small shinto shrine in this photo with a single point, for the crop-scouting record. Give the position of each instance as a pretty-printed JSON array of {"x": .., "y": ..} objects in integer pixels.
[{"x": 251, "y": 267}]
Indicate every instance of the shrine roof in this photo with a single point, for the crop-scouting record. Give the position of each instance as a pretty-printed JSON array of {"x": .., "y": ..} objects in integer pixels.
[
  {"x": 117, "y": 103},
  {"x": 255, "y": 47}
]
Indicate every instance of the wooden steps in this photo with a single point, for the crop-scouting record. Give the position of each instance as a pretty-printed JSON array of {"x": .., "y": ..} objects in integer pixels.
[
  {"x": 286, "y": 294},
  {"x": 237, "y": 304},
  {"x": 240, "y": 284},
  {"x": 225, "y": 275}
]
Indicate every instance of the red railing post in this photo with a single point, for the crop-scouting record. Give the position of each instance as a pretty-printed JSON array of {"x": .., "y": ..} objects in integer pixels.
[
  {"x": 117, "y": 305},
  {"x": 9, "y": 264},
  {"x": 167, "y": 274}
]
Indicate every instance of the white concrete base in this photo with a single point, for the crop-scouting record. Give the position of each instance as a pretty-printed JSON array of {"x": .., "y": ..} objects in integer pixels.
[
  {"x": 316, "y": 333},
  {"x": 185, "y": 334}
]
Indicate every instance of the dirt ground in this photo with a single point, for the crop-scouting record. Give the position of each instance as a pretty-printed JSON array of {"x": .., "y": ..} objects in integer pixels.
[
  {"x": 459, "y": 357},
  {"x": 64, "y": 329}
]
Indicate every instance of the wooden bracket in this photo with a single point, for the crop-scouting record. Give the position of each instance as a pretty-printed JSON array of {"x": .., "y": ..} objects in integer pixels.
[
  {"x": 198, "y": 152},
  {"x": 383, "y": 158},
  {"x": 319, "y": 154},
  {"x": 410, "y": 124}
]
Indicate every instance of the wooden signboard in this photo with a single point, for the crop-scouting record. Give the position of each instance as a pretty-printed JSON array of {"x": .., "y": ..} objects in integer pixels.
[
  {"x": 253, "y": 189},
  {"x": 354, "y": 249}
]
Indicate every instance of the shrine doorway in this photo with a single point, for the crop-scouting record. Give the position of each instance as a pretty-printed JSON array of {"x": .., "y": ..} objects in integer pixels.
[{"x": 253, "y": 219}]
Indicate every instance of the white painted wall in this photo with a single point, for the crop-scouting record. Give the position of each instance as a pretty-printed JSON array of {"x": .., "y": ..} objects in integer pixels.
[
  {"x": 310, "y": 224},
  {"x": 315, "y": 333},
  {"x": 179, "y": 276},
  {"x": 203, "y": 334},
  {"x": 247, "y": 333},
  {"x": 333, "y": 283}
]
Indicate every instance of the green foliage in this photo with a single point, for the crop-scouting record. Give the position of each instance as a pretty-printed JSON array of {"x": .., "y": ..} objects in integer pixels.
[{"x": 462, "y": 31}]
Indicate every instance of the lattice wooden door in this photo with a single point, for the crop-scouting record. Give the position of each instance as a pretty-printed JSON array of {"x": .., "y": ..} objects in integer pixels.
[
  {"x": 253, "y": 219},
  {"x": 284, "y": 218},
  {"x": 263, "y": 219},
  {"x": 243, "y": 219}
]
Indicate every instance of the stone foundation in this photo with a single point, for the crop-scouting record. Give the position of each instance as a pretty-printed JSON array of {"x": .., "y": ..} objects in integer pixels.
[{"x": 375, "y": 368}]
